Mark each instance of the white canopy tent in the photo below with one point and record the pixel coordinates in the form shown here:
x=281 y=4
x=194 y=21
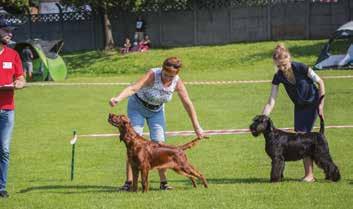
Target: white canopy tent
x=338 y=52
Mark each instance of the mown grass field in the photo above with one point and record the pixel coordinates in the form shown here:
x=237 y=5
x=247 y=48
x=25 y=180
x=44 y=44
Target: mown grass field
x=236 y=166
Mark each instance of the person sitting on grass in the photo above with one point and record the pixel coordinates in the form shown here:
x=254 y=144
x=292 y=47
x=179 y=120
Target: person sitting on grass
x=127 y=46
x=145 y=44
x=135 y=46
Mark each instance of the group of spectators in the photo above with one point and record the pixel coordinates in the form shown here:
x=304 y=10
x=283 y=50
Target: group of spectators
x=137 y=46
x=141 y=43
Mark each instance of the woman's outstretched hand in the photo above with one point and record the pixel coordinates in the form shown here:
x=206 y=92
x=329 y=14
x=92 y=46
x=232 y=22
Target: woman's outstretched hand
x=200 y=134
x=113 y=102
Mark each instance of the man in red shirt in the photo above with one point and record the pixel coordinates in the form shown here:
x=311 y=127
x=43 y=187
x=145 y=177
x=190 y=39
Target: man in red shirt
x=11 y=78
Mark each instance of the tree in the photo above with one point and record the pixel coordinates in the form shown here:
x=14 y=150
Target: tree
x=15 y=6
x=103 y=7
x=14 y=3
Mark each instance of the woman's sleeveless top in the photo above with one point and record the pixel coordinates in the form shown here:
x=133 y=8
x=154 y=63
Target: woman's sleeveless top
x=157 y=94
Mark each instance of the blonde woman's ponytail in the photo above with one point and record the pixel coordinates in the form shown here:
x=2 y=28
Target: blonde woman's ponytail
x=280 y=52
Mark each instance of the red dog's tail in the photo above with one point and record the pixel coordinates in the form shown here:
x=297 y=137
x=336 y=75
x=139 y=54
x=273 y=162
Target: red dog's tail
x=189 y=144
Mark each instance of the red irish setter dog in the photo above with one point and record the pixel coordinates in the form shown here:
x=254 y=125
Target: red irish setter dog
x=145 y=155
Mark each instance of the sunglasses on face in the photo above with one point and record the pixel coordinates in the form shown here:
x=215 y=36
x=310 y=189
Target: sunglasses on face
x=176 y=66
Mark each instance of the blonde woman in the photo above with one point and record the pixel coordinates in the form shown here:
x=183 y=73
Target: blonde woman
x=146 y=102
x=300 y=83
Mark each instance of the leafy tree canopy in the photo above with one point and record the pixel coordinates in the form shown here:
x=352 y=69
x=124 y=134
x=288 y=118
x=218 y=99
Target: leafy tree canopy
x=14 y=6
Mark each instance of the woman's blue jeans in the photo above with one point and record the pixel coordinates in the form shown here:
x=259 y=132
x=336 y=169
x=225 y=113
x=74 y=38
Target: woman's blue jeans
x=6 y=126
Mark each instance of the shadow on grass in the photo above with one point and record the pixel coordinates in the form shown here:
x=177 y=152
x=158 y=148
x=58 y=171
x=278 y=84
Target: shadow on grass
x=86 y=58
x=296 y=51
x=77 y=188
x=235 y=180
x=74 y=189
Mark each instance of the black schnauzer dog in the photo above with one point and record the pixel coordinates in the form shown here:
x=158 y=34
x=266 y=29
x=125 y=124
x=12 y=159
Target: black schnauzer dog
x=283 y=146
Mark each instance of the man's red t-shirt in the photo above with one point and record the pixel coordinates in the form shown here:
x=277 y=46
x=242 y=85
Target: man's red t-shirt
x=10 y=69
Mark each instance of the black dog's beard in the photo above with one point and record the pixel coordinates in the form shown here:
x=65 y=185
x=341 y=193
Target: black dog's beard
x=255 y=134
x=255 y=131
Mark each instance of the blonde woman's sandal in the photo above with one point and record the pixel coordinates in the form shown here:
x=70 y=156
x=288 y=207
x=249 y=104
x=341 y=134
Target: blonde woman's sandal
x=308 y=180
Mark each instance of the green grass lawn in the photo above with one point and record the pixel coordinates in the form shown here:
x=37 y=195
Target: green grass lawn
x=236 y=166
x=228 y=62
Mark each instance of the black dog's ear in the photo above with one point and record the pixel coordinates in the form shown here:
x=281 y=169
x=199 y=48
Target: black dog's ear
x=257 y=117
x=270 y=125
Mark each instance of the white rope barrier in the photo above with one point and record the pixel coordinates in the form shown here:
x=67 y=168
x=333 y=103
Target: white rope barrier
x=206 y=132
x=187 y=82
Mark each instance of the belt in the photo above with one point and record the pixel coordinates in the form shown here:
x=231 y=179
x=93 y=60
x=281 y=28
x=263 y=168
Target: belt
x=147 y=105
